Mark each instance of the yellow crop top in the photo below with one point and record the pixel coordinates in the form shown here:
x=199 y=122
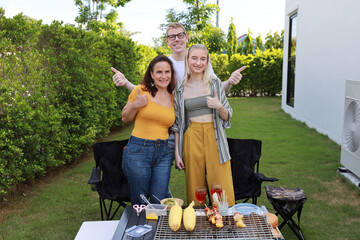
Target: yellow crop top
x=152 y=121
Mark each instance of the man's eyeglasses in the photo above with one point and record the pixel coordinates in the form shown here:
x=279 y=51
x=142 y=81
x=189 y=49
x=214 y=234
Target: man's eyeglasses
x=172 y=37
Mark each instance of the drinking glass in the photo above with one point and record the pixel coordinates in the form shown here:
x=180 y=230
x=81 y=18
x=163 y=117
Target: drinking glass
x=216 y=187
x=200 y=193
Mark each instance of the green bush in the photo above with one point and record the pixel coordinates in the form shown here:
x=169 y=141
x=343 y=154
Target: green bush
x=147 y=54
x=56 y=93
x=263 y=74
x=220 y=64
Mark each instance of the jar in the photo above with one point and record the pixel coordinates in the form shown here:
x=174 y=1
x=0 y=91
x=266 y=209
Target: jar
x=215 y=206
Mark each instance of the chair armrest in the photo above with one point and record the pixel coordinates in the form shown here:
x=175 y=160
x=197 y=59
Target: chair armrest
x=261 y=178
x=95 y=178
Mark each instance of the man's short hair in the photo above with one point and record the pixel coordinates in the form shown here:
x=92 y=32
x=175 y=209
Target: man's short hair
x=174 y=25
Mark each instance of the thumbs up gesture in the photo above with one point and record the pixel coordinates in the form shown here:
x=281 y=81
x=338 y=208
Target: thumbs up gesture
x=236 y=76
x=213 y=102
x=119 y=78
x=141 y=100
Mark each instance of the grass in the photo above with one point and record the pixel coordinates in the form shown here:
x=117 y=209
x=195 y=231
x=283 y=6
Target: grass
x=54 y=207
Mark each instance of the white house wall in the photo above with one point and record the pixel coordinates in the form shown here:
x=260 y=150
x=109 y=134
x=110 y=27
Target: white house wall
x=327 y=54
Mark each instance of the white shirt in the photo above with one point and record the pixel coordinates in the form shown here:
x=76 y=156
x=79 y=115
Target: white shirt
x=179 y=67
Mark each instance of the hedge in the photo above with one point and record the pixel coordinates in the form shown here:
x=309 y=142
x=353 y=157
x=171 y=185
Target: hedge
x=263 y=75
x=56 y=93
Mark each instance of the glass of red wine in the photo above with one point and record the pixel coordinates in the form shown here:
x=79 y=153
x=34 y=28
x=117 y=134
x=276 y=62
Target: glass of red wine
x=216 y=187
x=200 y=193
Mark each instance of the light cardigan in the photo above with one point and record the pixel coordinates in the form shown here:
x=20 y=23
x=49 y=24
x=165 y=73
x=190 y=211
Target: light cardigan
x=182 y=120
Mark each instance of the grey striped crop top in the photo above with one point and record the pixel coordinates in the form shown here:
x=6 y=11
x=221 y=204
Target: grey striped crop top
x=197 y=106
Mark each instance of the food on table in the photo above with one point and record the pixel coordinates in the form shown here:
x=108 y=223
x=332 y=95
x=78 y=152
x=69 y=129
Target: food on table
x=214 y=217
x=189 y=217
x=237 y=216
x=218 y=220
x=219 y=224
x=209 y=212
x=171 y=202
x=240 y=223
x=175 y=216
x=276 y=233
x=272 y=219
x=152 y=216
x=239 y=219
x=215 y=206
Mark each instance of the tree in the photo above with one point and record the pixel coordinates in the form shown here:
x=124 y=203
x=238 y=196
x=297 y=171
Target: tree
x=197 y=16
x=278 y=39
x=274 y=41
x=232 y=43
x=269 y=43
x=248 y=44
x=259 y=43
x=94 y=10
x=212 y=37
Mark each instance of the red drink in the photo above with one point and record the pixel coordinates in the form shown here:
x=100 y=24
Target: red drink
x=200 y=193
x=200 y=196
x=217 y=190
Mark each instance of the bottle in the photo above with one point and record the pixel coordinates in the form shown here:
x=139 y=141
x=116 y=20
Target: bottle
x=215 y=206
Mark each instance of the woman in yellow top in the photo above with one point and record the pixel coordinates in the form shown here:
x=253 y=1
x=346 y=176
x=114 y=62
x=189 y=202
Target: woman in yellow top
x=147 y=159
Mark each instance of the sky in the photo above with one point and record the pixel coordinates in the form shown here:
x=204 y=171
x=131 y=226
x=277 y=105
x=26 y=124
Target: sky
x=145 y=16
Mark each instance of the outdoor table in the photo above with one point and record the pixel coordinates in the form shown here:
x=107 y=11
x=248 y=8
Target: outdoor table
x=129 y=218
x=94 y=230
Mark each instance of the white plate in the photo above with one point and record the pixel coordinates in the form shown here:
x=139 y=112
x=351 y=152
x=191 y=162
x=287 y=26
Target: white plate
x=245 y=209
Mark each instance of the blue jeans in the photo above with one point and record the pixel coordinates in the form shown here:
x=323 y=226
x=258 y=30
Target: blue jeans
x=172 y=145
x=147 y=165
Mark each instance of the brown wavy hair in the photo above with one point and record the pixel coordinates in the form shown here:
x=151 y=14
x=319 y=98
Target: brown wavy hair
x=147 y=79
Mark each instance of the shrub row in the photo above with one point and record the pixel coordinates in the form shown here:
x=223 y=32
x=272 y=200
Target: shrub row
x=263 y=74
x=56 y=93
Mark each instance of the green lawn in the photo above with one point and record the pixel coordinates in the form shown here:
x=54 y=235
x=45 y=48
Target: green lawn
x=54 y=207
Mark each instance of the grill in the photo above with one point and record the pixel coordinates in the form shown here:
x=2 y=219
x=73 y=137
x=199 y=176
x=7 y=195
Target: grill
x=256 y=228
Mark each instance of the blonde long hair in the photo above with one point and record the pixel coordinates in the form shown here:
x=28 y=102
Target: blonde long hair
x=207 y=77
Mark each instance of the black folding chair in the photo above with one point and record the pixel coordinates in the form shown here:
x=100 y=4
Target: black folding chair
x=287 y=202
x=245 y=160
x=112 y=185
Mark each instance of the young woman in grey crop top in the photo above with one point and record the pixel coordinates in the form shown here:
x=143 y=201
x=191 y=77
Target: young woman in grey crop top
x=201 y=114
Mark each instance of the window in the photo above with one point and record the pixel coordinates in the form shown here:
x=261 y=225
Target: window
x=291 y=61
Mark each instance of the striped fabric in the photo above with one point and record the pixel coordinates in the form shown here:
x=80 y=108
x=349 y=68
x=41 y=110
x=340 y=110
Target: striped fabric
x=182 y=119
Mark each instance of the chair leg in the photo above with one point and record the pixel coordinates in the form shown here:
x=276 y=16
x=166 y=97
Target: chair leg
x=101 y=209
x=109 y=211
x=289 y=221
x=104 y=210
x=116 y=210
x=103 y=204
x=254 y=200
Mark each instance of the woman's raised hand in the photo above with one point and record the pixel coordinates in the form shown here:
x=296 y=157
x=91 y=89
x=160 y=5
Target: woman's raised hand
x=141 y=100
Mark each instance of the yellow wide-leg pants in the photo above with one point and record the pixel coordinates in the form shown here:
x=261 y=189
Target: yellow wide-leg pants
x=201 y=159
